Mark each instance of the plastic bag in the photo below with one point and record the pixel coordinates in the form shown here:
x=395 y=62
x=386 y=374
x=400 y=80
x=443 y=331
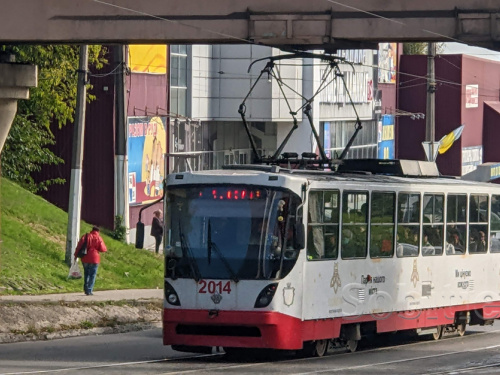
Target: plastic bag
x=74 y=271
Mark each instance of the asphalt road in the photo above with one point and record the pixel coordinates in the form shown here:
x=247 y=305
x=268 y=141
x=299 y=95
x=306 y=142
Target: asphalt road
x=478 y=352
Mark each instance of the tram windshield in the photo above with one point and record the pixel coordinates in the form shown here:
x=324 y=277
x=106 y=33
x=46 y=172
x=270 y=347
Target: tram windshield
x=230 y=232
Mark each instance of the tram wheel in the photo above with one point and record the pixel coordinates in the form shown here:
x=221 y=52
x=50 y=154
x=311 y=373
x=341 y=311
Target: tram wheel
x=437 y=335
x=314 y=348
x=352 y=345
x=461 y=328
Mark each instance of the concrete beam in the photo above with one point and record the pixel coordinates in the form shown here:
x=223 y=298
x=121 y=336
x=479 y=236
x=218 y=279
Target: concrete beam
x=15 y=81
x=306 y=24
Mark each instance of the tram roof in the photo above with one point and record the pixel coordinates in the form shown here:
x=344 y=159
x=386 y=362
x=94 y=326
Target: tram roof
x=362 y=173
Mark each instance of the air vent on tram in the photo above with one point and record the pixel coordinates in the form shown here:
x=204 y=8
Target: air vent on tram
x=403 y=168
x=217 y=330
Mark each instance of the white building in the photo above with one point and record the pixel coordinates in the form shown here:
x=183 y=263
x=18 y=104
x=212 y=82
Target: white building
x=209 y=83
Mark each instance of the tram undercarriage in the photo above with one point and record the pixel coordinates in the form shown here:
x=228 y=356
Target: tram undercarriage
x=196 y=332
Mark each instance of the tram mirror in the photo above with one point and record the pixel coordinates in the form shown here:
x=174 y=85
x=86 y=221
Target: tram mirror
x=300 y=238
x=171 y=264
x=139 y=236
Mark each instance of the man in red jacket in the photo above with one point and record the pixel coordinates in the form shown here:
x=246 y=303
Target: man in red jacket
x=95 y=245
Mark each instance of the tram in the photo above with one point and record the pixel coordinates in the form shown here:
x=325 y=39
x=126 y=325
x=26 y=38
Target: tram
x=261 y=256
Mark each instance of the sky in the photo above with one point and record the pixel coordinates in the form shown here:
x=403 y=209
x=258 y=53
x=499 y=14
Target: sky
x=453 y=48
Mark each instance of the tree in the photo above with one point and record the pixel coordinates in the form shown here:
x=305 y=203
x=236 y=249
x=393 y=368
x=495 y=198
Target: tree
x=420 y=48
x=27 y=147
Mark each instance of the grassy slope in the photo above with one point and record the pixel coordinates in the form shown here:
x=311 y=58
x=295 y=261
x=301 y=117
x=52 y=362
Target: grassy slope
x=33 y=234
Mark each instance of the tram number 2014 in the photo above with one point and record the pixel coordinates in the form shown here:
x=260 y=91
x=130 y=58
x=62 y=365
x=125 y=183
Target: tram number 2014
x=214 y=286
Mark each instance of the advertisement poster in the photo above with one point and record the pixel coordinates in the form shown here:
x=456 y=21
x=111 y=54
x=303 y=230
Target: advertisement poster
x=386 y=137
x=147 y=140
x=387 y=62
x=471 y=96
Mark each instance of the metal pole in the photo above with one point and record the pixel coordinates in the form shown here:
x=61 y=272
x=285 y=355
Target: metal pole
x=430 y=124
x=75 y=187
x=121 y=172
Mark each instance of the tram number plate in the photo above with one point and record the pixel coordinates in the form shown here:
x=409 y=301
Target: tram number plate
x=214 y=287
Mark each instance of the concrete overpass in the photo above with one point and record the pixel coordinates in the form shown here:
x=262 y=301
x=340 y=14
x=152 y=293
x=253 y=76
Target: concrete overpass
x=302 y=24
x=282 y=23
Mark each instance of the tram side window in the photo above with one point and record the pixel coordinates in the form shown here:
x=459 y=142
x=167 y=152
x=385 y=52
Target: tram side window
x=323 y=226
x=382 y=225
x=495 y=224
x=478 y=223
x=433 y=225
x=456 y=225
x=354 y=224
x=408 y=232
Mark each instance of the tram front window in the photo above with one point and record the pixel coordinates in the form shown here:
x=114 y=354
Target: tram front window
x=230 y=232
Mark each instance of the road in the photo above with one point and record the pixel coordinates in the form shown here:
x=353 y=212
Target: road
x=478 y=352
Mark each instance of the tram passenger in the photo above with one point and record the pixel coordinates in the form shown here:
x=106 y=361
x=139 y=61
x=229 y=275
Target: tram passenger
x=478 y=242
x=454 y=245
x=427 y=248
x=331 y=246
x=348 y=246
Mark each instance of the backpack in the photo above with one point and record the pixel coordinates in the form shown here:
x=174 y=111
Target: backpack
x=83 y=250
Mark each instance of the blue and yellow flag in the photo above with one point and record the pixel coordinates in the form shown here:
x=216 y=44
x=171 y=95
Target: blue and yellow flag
x=446 y=142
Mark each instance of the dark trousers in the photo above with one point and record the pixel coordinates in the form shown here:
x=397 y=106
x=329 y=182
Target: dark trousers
x=157 y=242
x=89 y=274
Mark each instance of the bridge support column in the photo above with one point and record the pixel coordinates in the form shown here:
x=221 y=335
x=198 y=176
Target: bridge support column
x=15 y=81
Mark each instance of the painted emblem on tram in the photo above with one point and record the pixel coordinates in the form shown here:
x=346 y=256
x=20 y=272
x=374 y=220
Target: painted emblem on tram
x=216 y=298
x=335 y=282
x=288 y=294
x=414 y=275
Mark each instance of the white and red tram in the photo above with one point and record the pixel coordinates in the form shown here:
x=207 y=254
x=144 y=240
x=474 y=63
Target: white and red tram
x=263 y=257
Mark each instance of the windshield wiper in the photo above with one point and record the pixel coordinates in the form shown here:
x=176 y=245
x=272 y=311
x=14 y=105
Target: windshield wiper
x=187 y=253
x=212 y=245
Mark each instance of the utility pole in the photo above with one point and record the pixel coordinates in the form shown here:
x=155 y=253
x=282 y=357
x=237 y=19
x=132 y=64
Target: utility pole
x=430 y=123
x=121 y=167
x=75 y=187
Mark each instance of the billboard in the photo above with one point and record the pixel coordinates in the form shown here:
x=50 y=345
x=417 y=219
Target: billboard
x=147 y=143
x=387 y=62
x=148 y=58
x=386 y=137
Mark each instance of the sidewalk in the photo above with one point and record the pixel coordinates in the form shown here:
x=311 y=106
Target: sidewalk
x=104 y=295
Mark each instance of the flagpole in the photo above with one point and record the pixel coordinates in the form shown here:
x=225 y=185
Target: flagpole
x=430 y=124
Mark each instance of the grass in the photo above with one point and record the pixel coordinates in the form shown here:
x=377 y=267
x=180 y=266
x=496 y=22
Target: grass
x=32 y=250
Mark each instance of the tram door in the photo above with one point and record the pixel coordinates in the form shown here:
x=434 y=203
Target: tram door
x=322 y=247
x=336 y=256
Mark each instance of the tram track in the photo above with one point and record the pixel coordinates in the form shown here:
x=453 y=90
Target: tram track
x=333 y=363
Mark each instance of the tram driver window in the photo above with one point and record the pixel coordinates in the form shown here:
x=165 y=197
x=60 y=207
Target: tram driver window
x=382 y=225
x=354 y=224
x=323 y=225
x=456 y=224
x=408 y=232
x=478 y=223
x=495 y=224
x=433 y=225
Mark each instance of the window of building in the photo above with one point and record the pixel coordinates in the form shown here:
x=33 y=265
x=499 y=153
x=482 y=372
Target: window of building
x=323 y=226
x=478 y=223
x=178 y=79
x=408 y=233
x=354 y=224
x=456 y=225
x=433 y=225
x=365 y=144
x=382 y=225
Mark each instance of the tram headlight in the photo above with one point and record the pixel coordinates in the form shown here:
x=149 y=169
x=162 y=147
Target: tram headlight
x=171 y=295
x=266 y=295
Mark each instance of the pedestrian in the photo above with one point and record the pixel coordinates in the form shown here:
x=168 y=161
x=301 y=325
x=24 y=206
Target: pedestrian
x=157 y=229
x=91 y=260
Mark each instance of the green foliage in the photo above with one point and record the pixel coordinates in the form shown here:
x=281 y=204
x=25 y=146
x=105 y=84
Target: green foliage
x=54 y=100
x=420 y=48
x=34 y=245
x=120 y=230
